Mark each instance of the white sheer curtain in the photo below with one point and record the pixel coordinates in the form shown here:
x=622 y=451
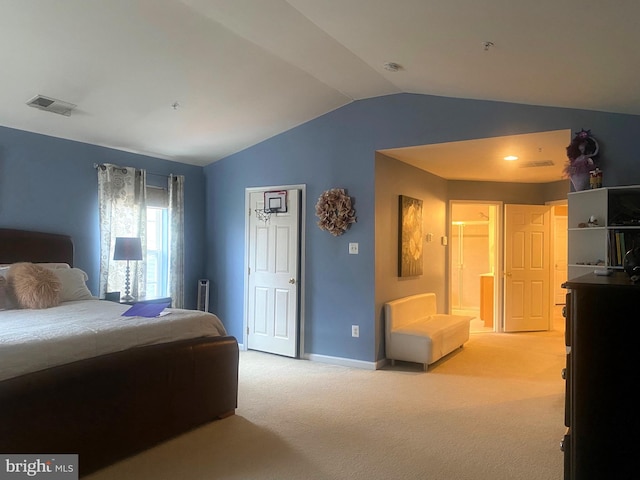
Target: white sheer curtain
x=176 y=240
x=122 y=203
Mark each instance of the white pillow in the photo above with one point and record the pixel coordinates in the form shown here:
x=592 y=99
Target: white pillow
x=54 y=266
x=4 y=268
x=74 y=285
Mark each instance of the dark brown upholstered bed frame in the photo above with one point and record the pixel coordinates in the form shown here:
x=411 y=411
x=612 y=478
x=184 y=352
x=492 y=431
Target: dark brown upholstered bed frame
x=113 y=406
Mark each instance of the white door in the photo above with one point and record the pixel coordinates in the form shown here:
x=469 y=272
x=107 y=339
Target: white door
x=560 y=258
x=273 y=257
x=527 y=268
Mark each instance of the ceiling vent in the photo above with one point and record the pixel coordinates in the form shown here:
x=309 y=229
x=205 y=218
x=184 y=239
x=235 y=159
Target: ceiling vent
x=538 y=163
x=51 y=105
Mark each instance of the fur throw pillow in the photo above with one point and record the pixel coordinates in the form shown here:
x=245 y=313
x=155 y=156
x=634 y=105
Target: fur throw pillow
x=33 y=286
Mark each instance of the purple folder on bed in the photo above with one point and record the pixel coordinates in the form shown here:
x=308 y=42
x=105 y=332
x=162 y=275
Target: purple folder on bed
x=146 y=309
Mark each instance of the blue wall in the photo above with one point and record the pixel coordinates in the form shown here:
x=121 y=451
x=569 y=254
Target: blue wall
x=338 y=150
x=49 y=184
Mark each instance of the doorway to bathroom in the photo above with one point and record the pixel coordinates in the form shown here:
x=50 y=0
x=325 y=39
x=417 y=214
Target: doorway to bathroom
x=474 y=246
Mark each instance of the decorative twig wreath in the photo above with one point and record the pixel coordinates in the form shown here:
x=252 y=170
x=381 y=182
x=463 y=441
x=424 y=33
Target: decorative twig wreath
x=335 y=211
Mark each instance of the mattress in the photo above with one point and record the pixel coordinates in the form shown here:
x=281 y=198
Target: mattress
x=32 y=340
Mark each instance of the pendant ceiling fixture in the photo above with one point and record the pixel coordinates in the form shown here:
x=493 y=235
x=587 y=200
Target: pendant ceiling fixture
x=488 y=45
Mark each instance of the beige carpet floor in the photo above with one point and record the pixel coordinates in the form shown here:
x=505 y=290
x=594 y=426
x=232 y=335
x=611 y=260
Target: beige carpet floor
x=492 y=410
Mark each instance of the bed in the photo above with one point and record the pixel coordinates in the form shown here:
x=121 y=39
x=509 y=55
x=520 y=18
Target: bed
x=111 y=403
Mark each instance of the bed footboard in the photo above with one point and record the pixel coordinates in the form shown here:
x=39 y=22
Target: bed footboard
x=110 y=407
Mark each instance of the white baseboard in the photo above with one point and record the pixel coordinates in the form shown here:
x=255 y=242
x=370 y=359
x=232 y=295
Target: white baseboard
x=344 y=362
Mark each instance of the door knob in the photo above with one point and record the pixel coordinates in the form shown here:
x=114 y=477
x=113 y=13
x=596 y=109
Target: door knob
x=508 y=274
x=292 y=281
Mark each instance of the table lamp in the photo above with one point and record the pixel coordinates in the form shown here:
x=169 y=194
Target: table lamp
x=127 y=248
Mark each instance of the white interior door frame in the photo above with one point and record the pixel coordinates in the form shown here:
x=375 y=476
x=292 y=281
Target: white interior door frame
x=302 y=263
x=498 y=295
x=554 y=246
x=499 y=277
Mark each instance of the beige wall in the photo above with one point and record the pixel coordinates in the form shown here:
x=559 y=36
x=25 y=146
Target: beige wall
x=394 y=178
x=515 y=193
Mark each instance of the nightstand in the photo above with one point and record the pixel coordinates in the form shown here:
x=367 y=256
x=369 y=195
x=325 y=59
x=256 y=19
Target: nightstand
x=147 y=300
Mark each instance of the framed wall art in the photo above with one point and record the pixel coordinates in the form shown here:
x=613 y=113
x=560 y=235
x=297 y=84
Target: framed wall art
x=410 y=237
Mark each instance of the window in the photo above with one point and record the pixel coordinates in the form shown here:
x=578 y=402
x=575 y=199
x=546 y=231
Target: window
x=157 y=277
x=157 y=251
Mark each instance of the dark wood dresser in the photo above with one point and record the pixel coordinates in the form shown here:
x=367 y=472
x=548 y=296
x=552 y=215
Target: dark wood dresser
x=602 y=406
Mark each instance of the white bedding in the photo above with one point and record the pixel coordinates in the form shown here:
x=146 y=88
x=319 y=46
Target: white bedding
x=32 y=340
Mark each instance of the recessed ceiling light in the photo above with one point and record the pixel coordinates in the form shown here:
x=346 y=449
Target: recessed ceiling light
x=510 y=158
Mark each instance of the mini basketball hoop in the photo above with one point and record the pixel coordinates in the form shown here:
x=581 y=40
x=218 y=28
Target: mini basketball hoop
x=274 y=202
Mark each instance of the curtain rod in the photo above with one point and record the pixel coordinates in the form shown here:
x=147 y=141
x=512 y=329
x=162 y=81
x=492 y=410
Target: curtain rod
x=103 y=167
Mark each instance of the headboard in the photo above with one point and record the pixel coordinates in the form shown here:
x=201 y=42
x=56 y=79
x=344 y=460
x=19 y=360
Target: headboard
x=37 y=247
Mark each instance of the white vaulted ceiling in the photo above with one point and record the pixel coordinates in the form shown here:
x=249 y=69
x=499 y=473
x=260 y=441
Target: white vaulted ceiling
x=242 y=71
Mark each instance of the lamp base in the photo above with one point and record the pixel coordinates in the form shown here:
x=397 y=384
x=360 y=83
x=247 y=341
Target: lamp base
x=127 y=287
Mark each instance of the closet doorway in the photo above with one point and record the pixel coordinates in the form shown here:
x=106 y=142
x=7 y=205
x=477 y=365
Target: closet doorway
x=474 y=260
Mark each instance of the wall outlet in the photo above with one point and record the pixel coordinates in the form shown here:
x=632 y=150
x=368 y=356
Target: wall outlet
x=355 y=331
x=353 y=249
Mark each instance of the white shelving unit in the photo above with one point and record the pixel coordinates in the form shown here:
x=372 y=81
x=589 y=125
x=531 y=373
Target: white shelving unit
x=617 y=210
